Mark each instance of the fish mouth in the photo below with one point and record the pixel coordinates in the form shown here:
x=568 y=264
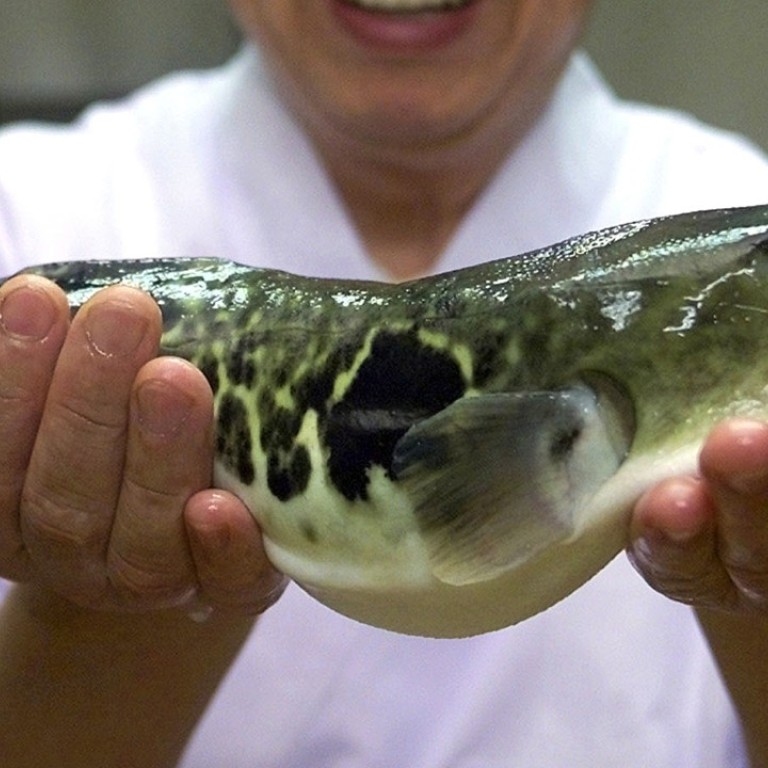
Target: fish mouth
x=408 y=6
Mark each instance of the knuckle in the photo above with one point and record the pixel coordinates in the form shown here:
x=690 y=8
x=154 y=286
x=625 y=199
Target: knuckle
x=14 y=397
x=68 y=526
x=746 y=562
x=702 y=583
x=150 y=492
x=91 y=417
x=752 y=584
x=748 y=557
x=146 y=582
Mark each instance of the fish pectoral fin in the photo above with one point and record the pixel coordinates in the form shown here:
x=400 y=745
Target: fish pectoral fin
x=496 y=478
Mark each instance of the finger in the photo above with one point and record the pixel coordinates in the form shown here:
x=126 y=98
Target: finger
x=735 y=463
x=169 y=457
x=77 y=461
x=232 y=568
x=34 y=318
x=674 y=544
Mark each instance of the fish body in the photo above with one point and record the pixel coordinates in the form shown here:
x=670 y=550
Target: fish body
x=451 y=455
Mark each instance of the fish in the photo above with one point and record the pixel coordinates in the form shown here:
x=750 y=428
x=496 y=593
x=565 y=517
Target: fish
x=452 y=455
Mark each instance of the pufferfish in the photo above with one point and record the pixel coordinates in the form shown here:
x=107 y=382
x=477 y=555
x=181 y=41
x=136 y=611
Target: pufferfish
x=452 y=455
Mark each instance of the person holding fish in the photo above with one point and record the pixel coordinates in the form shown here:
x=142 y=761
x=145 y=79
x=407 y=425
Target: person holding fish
x=350 y=139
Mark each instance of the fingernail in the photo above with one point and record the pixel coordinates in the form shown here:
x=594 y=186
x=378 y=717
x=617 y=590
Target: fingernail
x=28 y=314
x=162 y=409
x=114 y=330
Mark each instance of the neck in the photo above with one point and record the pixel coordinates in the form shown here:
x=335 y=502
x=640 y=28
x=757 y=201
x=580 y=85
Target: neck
x=405 y=214
x=408 y=203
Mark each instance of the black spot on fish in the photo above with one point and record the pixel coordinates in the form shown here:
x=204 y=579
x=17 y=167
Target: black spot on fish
x=209 y=366
x=241 y=368
x=233 y=438
x=402 y=381
x=488 y=359
x=289 y=476
x=265 y=404
x=288 y=463
x=173 y=312
x=279 y=426
x=280 y=377
x=309 y=532
x=314 y=390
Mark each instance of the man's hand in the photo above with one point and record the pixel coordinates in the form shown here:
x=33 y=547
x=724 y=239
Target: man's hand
x=105 y=462
x=704 y=540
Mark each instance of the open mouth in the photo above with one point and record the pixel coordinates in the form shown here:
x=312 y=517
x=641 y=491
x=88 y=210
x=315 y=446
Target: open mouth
x=408 y=6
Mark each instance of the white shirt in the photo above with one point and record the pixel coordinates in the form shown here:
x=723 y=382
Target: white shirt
x=210 y=164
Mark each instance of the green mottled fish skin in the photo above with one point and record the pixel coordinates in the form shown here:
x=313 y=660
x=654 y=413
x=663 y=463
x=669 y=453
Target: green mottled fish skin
x=316 y=380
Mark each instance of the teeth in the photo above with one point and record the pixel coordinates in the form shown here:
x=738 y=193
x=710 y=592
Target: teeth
x=408 y=5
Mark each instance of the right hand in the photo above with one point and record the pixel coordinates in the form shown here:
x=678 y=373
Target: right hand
x=106 y=454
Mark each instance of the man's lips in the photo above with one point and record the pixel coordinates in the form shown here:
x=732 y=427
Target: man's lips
x=408 y=6
x=404 y=26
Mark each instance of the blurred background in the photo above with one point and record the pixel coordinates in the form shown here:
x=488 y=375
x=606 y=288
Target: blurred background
x=704 y=56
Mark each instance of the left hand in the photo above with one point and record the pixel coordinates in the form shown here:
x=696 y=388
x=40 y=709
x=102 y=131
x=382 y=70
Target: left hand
x=105 y=463
x=704 y=540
